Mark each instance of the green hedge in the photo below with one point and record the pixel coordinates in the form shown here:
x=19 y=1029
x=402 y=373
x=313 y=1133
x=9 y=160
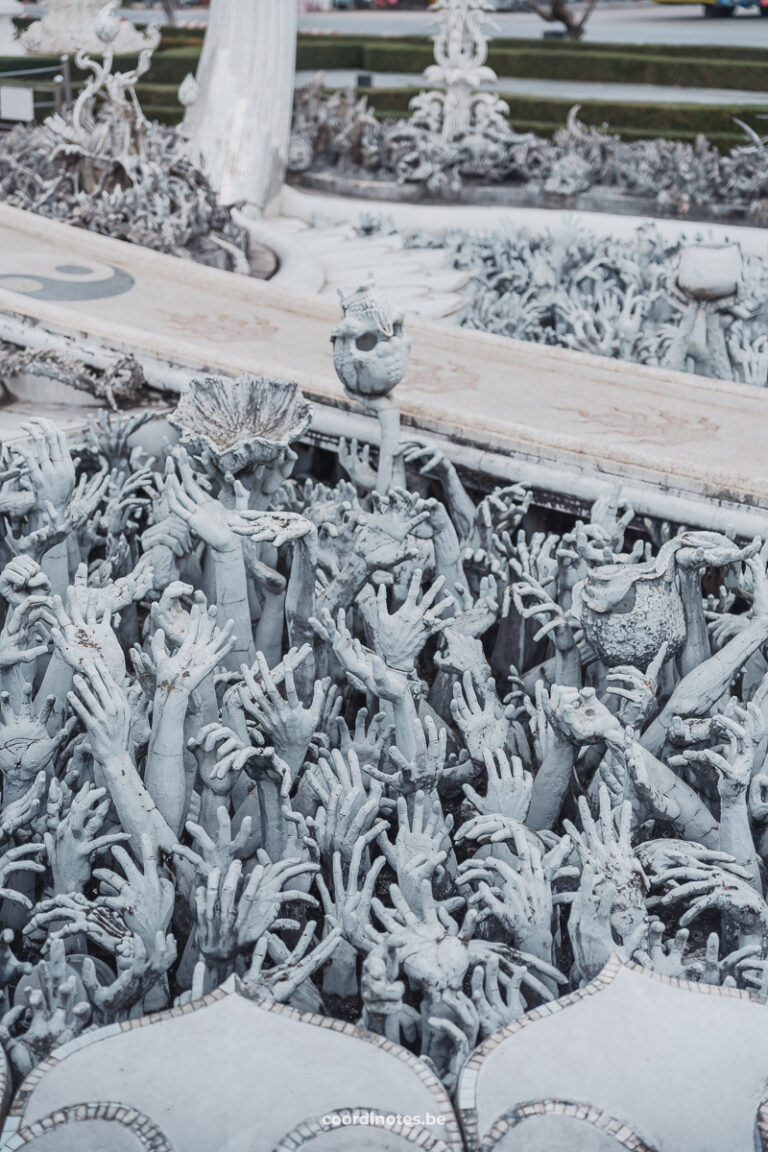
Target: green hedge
x=685 y=67
x=659 y=64
x=616 y=68
x=670 y=51
x=163 y=113
x=724 y=141
x=169 y=42
x=631 y=121
x=179 y=33
x=628 y=68
x=559 y=47
x=671 y=65
x=158 y=96
x=319 y=54
x=19 y=63
x=172 y=66
x=168 y=67
x=650 y=119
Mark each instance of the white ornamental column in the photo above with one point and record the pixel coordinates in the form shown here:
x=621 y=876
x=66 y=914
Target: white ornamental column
x=9 y=45
x=241 y=122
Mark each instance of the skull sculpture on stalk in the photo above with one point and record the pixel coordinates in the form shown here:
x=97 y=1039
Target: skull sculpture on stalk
x=370 y=355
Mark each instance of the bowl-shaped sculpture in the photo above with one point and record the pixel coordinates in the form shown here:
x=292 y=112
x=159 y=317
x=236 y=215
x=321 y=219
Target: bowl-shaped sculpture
x=629 y=610
x=710 y=271
x=241 y=423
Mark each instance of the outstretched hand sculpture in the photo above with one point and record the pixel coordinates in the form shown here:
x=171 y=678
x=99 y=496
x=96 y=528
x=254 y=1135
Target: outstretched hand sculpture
x=384 y=753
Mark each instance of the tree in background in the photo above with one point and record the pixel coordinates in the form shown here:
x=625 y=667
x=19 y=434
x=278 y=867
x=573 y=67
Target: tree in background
x=563 y=12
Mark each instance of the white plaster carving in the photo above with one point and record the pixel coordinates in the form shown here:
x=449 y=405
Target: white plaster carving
x=241 y=122
x=9 y=44
x=69 y=26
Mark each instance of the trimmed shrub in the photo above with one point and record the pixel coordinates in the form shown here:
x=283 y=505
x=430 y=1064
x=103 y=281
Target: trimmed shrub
x=163 y=113
x=326 y=55
x=633 y=121
x=157 y=96
x=736 y=53
x=672 y=65
x=168 y=42
x=172 y=66
x=21 y=63
x=617 y=67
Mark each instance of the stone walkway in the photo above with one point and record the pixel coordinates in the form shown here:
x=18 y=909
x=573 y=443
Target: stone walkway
x=686 y=448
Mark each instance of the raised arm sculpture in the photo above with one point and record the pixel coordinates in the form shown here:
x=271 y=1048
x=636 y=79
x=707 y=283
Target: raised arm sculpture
x=369 y=742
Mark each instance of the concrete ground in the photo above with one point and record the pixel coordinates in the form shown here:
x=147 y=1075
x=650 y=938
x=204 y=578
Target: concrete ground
x=574 y=90
x=631 y=22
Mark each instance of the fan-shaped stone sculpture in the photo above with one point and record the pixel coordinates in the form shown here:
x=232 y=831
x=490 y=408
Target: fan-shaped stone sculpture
x=240 y=423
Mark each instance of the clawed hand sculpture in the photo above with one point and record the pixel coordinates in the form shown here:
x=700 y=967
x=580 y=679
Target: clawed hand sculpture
x=389 y=754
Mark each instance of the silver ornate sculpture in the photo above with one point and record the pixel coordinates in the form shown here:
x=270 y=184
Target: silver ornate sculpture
x=118 y=133
x=628 y=611
x=70 y=26
x=102 y=165
x=257 y=726
x=243 y=423
x=460 y=68
x=9 y=42
x=464 y=136
x=453 y=129
x=710 y=279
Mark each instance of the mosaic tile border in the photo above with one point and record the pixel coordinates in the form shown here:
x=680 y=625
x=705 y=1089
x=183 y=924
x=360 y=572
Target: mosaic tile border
x=147 y=1133
x=235 y=987
x=466 y=1093
x=306 y=1133
x=587 y=1113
